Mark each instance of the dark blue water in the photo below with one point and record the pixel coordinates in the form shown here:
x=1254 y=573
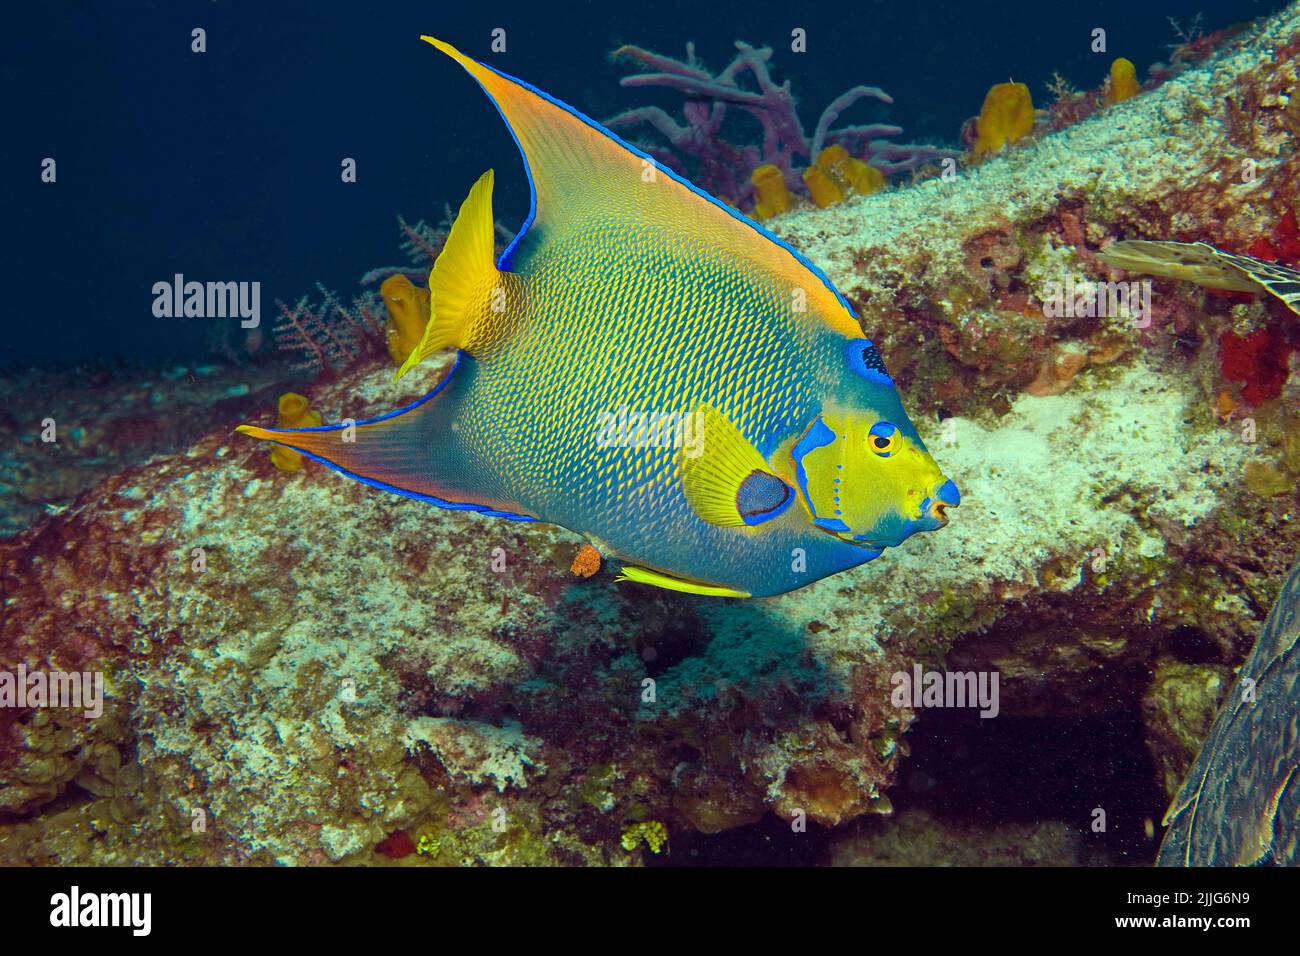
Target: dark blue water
x=225 y=165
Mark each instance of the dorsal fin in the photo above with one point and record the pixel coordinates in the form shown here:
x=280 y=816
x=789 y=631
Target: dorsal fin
x=582 y=173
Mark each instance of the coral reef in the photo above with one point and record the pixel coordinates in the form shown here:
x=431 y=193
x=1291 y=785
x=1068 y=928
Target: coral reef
x=724 y=168
x=977 y=293
x=71 y=428
x=301 y=669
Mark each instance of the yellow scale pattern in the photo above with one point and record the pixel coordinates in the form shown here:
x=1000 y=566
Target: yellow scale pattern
x=633 y=290
x=671 y=327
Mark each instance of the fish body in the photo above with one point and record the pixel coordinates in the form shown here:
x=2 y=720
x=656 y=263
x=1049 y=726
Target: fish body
x=652 y=370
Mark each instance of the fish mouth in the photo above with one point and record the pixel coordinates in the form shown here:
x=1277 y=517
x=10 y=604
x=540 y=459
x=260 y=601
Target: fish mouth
x=931 y=516
x=933 y=511
x=941 y=499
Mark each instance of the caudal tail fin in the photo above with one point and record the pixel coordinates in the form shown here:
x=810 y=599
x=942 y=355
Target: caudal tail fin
x=463 y=277
x=413 y=452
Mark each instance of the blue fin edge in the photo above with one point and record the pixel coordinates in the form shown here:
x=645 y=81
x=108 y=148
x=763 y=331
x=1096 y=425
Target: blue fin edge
x=762 y=517
x=384 y=486
x=504 y=262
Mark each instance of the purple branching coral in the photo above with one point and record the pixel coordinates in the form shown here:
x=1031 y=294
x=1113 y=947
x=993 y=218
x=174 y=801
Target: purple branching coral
x=422 y=244
x=724 y=168
x=329 y=336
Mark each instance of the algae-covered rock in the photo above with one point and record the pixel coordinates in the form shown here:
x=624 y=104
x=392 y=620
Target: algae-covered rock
x=299 y=666
x=1178 y=709
x=917 y=838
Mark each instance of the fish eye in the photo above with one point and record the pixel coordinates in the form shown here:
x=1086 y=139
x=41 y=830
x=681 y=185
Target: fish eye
x=883 y=439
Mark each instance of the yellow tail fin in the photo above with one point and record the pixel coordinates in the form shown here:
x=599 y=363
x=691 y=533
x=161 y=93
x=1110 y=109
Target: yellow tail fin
x=462 y=277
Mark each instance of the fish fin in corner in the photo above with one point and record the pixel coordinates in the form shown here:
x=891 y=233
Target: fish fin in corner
x=1205 y=265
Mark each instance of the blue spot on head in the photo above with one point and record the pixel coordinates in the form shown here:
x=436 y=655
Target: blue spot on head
x=865 y=360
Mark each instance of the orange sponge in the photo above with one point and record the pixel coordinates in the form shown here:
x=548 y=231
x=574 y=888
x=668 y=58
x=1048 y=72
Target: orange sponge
x=853 y=175
x=1007 y=116
x=771 y=196
x=292 y=411
x=1123 y=81
x=587 y=562
x=407 y=306
x=836 y=175
x=823 y=189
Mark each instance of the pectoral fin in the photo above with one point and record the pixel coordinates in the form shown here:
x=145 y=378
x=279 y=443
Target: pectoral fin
x=725 y=479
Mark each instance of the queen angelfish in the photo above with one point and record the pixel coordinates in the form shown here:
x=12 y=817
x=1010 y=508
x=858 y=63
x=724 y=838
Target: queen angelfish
x=651 y=369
